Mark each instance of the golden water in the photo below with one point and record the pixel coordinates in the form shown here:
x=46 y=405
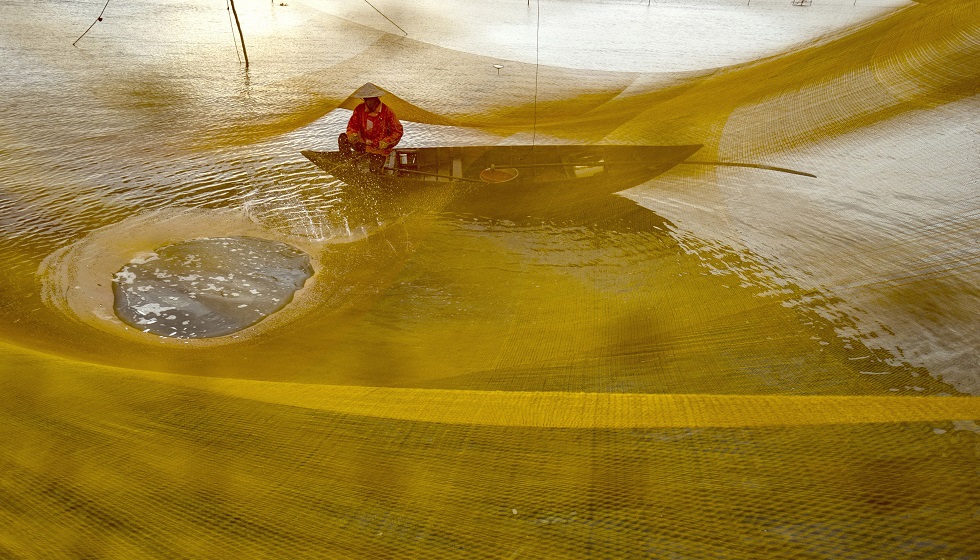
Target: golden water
x=712 y=372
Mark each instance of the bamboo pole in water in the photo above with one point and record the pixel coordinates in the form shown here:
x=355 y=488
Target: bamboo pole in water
x=242 y=37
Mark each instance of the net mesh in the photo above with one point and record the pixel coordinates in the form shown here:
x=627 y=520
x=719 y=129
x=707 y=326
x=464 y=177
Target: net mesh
x=122 y=466
x=610 y=384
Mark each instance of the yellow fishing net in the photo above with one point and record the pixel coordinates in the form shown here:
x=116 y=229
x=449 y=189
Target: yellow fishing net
x=614 y=384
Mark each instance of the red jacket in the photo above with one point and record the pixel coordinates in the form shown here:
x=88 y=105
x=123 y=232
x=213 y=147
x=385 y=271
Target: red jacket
x=381 y=127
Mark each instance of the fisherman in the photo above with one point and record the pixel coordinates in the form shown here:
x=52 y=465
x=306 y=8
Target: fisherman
x=373 y=129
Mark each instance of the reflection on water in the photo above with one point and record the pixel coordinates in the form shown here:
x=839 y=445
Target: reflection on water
x=457 y=379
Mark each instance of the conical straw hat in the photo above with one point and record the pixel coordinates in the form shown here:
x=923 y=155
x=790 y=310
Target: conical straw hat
x=368 y=90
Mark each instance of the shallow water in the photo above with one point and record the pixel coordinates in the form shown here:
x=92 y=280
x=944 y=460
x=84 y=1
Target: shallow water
x=208 y=287
x=450 y=381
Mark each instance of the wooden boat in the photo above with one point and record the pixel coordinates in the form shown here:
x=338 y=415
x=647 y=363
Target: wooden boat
x=508 y=181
